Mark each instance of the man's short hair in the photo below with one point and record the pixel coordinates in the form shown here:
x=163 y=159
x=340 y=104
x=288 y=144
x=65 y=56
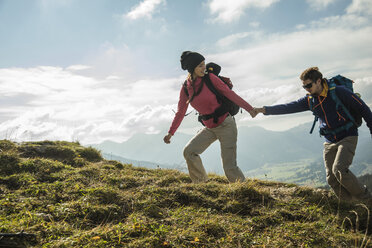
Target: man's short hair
x=311 y=73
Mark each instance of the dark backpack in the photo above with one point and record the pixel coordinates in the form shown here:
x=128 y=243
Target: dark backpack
x=355 y=118
x=226 y=104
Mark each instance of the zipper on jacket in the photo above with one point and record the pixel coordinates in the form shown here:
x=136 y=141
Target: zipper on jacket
x=325 y=116
x=340 y=116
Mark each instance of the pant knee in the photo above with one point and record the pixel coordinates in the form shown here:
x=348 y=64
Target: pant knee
x=340 y=173
x=332 y=180
x=187 y=152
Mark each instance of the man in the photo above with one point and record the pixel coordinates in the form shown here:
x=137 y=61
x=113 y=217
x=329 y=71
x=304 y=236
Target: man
x=341 y=134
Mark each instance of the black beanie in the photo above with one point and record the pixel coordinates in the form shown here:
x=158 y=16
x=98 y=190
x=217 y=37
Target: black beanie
x=190 y=60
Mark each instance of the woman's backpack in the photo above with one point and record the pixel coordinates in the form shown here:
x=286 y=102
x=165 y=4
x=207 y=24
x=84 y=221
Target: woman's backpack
x=226 y=104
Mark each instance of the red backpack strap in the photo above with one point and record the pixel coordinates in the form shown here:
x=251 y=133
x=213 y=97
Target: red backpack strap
x=184 y=86
x=227 y=81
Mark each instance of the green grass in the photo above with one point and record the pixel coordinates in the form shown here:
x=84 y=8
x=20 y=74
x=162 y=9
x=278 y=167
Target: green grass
x=302 y=172
x=100 y=203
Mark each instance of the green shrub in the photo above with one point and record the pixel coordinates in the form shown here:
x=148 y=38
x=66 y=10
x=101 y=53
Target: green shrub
x=6 y=145
x=40 y=165
x=91 y=154
x=103 y=195
x=90 y=215
x=168 y=180
x=63 y=154
x=16 y=181
x=78 y=162
x=9 y=163
x=42 y=168
x=213 y=229
x=54 y=143
x=115 y=163
x=42 y=143
x=91 y=173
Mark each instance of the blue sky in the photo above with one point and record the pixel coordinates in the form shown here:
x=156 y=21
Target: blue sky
x=65 y=32
x=97 y=70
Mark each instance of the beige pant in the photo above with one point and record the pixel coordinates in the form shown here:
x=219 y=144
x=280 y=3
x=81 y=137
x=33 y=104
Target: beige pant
x=226 y=133
x=337 y=160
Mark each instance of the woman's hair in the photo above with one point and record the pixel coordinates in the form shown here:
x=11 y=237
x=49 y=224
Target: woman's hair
x=311 y=73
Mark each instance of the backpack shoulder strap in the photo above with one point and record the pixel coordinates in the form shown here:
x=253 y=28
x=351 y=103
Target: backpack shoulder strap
x=227 y=81
x=332 y=93
x=211 y=87
x=310 y=100
x=184 y=86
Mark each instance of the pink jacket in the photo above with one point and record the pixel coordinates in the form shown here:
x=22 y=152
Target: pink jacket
x=205 y=102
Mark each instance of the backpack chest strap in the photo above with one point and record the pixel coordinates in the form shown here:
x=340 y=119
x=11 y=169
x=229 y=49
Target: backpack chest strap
x=335 y=131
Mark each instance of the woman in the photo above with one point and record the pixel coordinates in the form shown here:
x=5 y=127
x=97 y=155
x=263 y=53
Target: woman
x=205 y=102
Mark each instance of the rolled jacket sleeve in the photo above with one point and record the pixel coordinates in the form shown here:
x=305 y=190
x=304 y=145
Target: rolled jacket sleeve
x=181 y=111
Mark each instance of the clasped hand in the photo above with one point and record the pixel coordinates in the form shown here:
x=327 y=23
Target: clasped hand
x=256 y=111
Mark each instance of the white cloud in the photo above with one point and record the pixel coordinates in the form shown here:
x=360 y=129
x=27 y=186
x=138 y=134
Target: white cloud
x=339 y=22
x=43 y=80
x=229 y=11
x=300 y=26
x=254 y=24
x=144 y=10
x=78 y=67
x=320 y=4
x=64 y=105
x=363 y=86
x=230 y=40
x=360 y=7
x=336 y=45
x=118 y=61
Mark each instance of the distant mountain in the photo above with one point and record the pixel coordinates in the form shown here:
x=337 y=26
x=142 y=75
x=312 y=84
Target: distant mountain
x=256 y=146
x=148 y=147
x=146 y=164
x=260 y=152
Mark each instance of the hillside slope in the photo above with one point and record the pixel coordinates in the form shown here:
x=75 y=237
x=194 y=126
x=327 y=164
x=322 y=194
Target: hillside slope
x=276 y=152
x=68 y=196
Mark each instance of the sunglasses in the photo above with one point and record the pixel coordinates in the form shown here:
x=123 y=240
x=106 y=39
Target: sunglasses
x=308 y=86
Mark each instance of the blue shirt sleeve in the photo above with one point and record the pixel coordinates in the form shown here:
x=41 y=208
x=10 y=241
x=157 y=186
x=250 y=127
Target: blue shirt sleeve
x=293 y=107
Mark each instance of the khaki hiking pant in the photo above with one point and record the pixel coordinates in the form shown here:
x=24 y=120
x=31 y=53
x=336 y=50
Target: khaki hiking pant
x=226 y=133
x=337 y=160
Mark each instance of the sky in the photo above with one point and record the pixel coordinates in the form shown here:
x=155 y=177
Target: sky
x=93 y=70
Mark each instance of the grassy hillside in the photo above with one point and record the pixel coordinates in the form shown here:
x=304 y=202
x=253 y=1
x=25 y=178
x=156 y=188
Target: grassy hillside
x=68 y=196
